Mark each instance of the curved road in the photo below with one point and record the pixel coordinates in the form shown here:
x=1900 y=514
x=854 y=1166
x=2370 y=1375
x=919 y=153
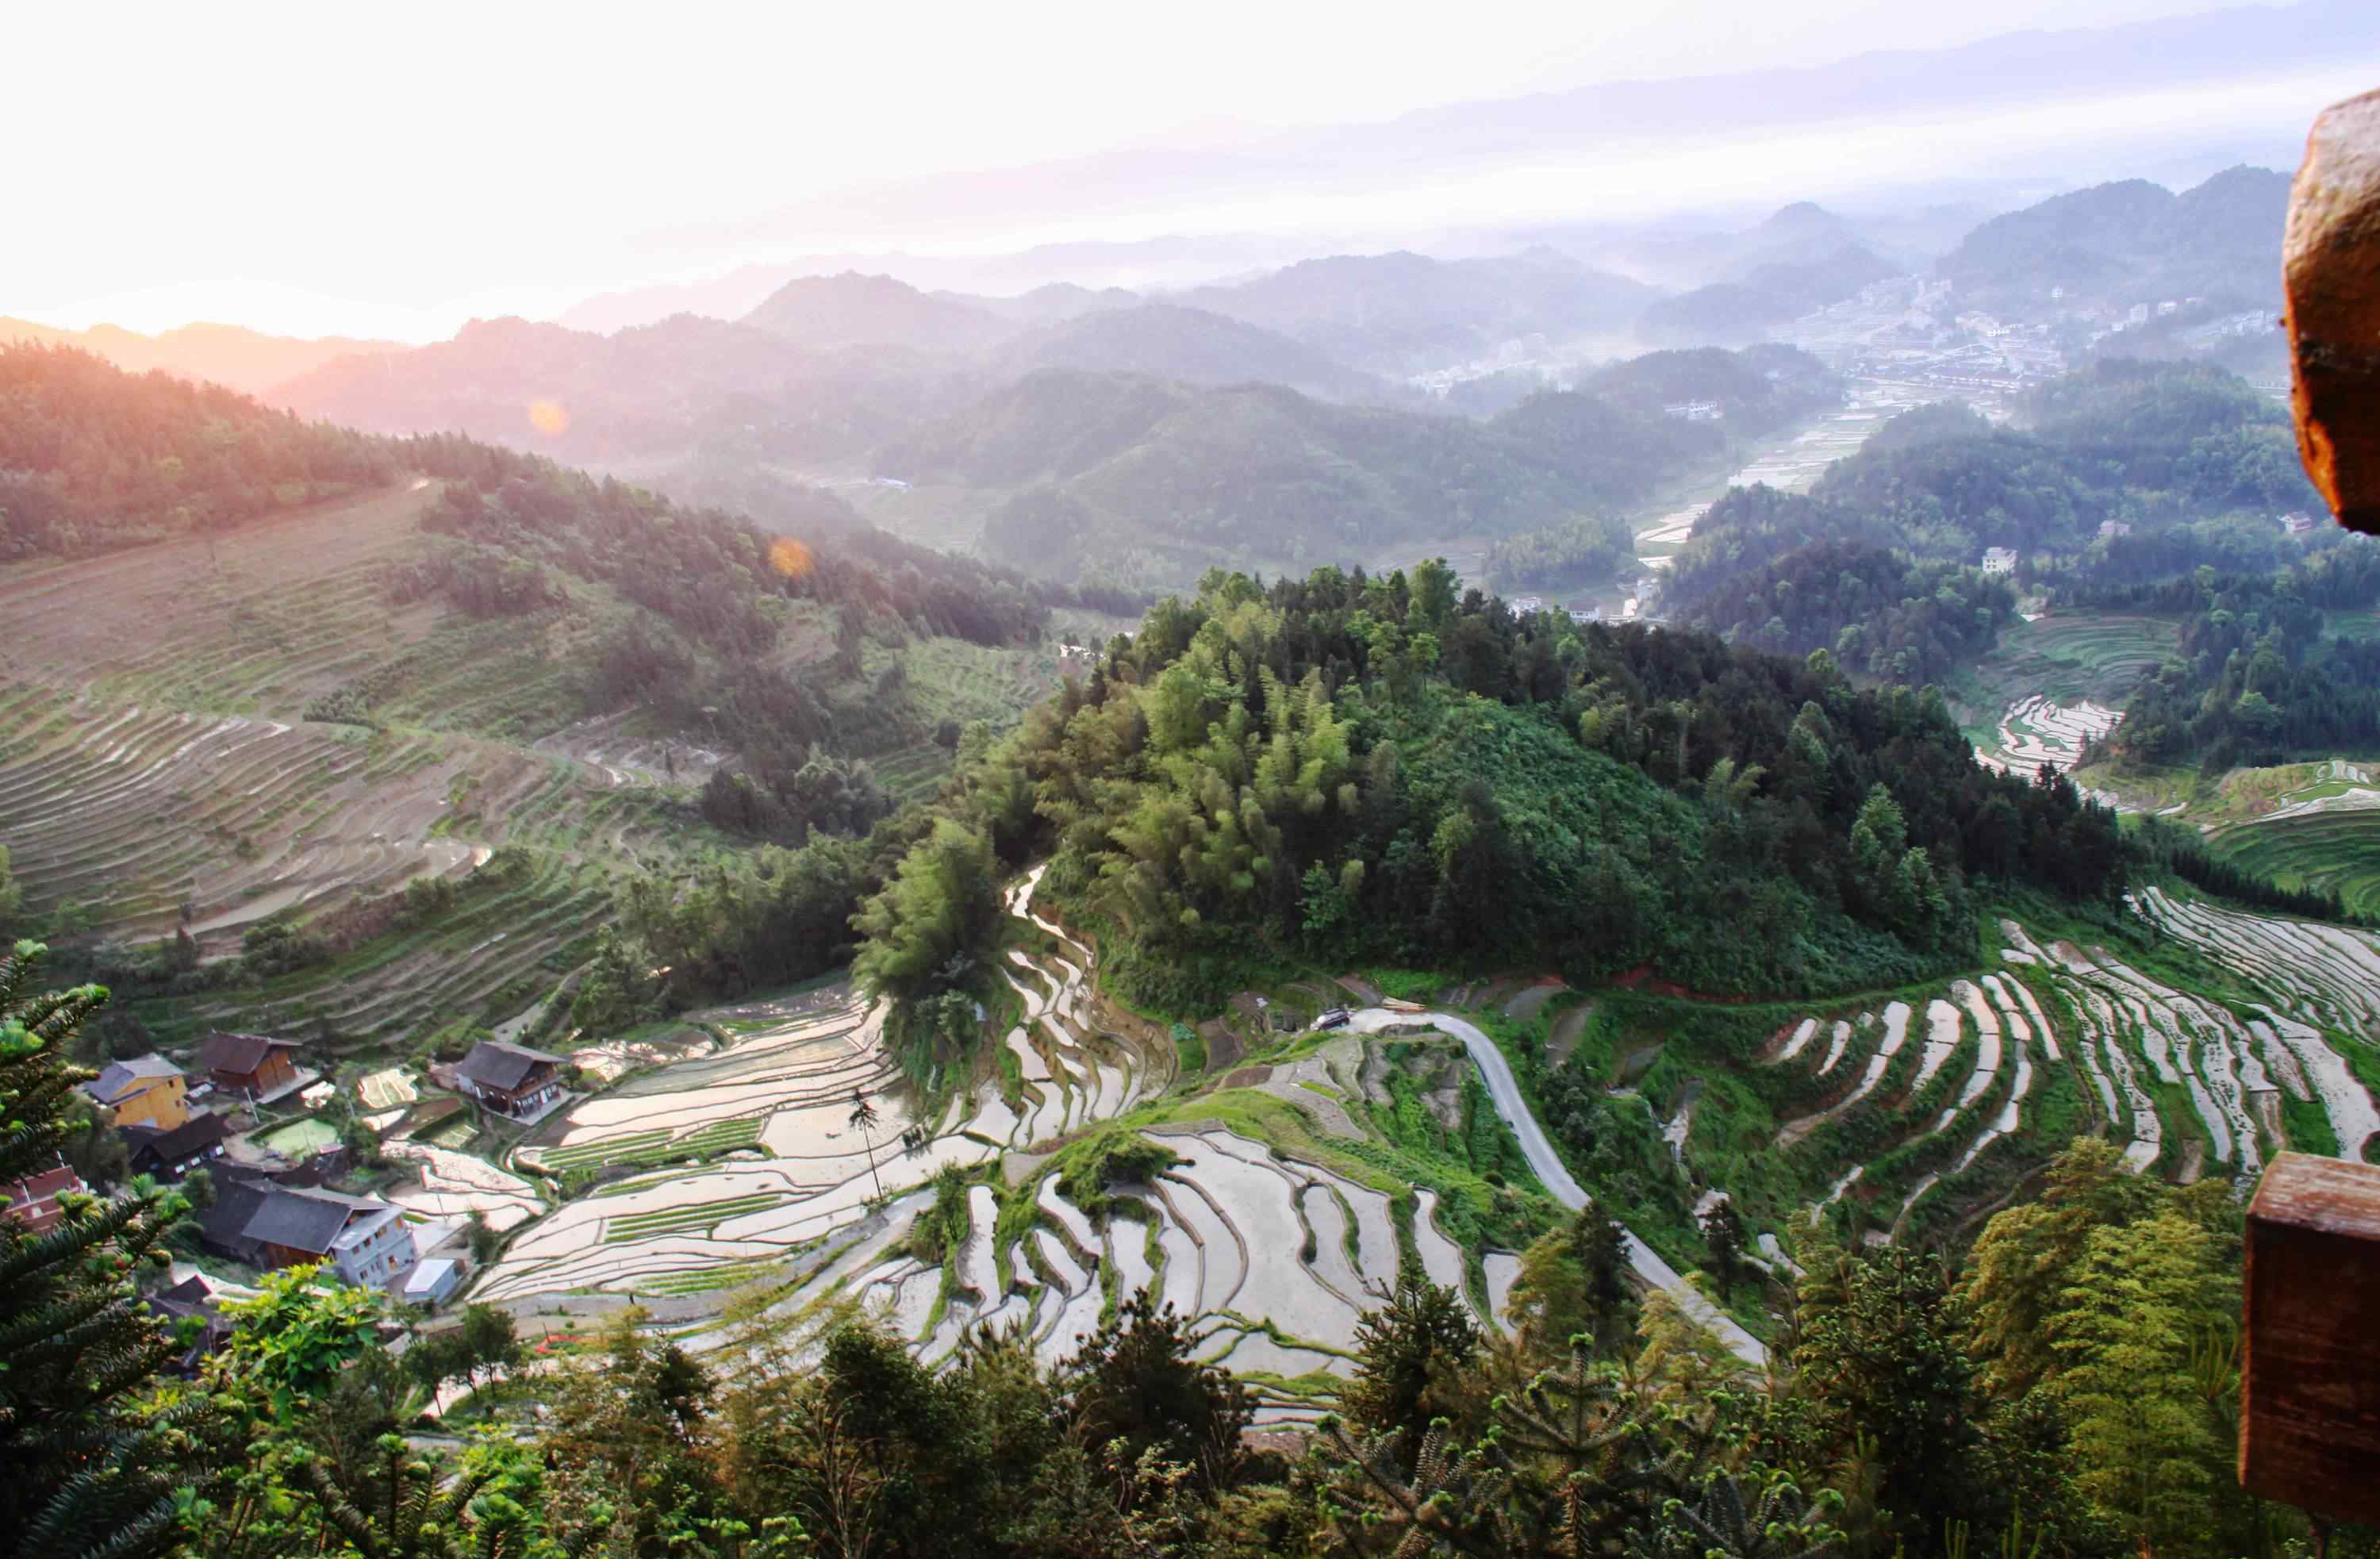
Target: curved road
x=1504 y=1089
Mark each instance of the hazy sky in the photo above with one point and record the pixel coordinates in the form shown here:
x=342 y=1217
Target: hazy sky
x=381 y=169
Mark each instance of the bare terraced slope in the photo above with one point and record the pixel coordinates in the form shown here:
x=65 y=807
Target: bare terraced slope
x=156 y=757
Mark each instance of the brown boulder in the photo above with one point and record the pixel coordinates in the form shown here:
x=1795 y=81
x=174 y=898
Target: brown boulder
x=2330 y=270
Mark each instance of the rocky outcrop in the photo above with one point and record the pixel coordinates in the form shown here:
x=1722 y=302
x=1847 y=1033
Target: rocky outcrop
x=2330 y=266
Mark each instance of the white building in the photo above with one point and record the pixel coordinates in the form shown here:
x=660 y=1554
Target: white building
x=1526 y=605
x=1999 y=560
x=2111 y=529
x=431 y=1284
x=2297 y=524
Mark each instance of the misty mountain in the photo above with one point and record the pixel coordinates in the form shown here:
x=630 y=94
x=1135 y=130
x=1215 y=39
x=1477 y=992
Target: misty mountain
x=993 y=281
x=1053 y=304
x=1772 y=294
x=855 y=310
x=2134 y=241
x=222 y=354
x=1187 y=346
x=1402 y=313
x=636 y=392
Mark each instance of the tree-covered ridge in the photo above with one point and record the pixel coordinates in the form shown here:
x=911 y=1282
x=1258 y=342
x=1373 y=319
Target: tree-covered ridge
x=1883 y=614
x=1133 y=478
x=2258 y=676
x=1586 y=550
x=2132 y=241
x=2185 y=460
x=93 y=459
x=1348 y=767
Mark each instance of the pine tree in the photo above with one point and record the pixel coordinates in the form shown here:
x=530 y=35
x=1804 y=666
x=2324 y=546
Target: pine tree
x=85 y=1469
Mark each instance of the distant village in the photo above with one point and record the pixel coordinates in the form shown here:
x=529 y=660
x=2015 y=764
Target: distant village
x=292 y=1163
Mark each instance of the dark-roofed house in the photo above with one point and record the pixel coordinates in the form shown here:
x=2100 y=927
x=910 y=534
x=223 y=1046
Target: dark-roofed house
x=366 y=1241
x=33 y=1201
x=191 y=1299
x=222 y=1228
x=169 y=1155
x=252 y=1066
x=145 y=1091
x=513 y=1079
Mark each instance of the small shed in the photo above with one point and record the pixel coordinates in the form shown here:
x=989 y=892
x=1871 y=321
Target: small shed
x=431 y=1284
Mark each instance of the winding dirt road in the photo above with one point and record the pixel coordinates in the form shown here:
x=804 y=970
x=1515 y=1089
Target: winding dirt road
x=1504 y=1090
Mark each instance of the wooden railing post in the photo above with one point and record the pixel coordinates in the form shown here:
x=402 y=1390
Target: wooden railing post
x=2310 y=1383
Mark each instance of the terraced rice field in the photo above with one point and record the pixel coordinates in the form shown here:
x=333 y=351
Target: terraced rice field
x=782 y=1089
x=2322 y=841
x=157 y=769
x=2064 y=659
x=2189 y=1085
x=1273 y=1258
x=2033 y=731
x=456 y=1184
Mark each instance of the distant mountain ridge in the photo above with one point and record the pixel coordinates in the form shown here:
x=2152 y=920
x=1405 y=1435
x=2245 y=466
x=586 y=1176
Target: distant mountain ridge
x=852 y=309
x=229 y=355
x=1401 y=313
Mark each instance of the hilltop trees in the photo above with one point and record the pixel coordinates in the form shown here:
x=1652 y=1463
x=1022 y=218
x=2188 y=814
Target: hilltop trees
x=1394 y=768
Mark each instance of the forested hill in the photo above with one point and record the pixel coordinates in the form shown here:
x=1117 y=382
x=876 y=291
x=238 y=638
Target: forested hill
x=1879 y=561
x=2133 y=242
x=1351 y=768
x=1124 y=478
x=92 y=457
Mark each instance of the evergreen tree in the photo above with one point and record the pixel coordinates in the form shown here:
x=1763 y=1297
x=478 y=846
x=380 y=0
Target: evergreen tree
x=86 y=1468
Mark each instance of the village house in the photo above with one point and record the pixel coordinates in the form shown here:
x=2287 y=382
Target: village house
x=1999 y=560
x=1585 y=613
x=366 y=1241
x=1526 y=605
x=2297 y=524
x=2111 y=529
x=512 y=1079
x=33 y=1200
x=145 y=1091
x=169 y=1155
x=251 y=1067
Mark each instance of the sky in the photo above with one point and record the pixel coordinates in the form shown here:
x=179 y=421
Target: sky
x=383 y=170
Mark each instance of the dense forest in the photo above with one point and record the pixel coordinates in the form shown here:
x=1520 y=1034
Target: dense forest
x=2070 y=1391
x=1588 y=549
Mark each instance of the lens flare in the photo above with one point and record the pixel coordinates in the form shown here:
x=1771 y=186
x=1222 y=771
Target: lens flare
x=546 y=417
x=790 y=558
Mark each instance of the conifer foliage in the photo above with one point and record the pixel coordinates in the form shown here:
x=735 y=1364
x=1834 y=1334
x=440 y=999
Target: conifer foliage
x=85 y=1469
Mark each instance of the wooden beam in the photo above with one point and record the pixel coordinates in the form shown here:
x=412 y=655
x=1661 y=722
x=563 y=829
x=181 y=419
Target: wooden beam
x=2309 y=1383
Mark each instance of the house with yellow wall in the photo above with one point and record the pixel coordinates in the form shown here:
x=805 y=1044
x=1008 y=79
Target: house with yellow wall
x=145 y=1091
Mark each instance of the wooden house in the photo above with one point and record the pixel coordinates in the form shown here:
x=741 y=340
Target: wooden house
x=512 y=1079
x=251 y=1067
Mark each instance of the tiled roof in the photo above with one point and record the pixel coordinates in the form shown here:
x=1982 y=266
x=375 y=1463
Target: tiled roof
x=493 y=1064
x=195 y=1136
x=239 y=1053
x=120 y=1077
